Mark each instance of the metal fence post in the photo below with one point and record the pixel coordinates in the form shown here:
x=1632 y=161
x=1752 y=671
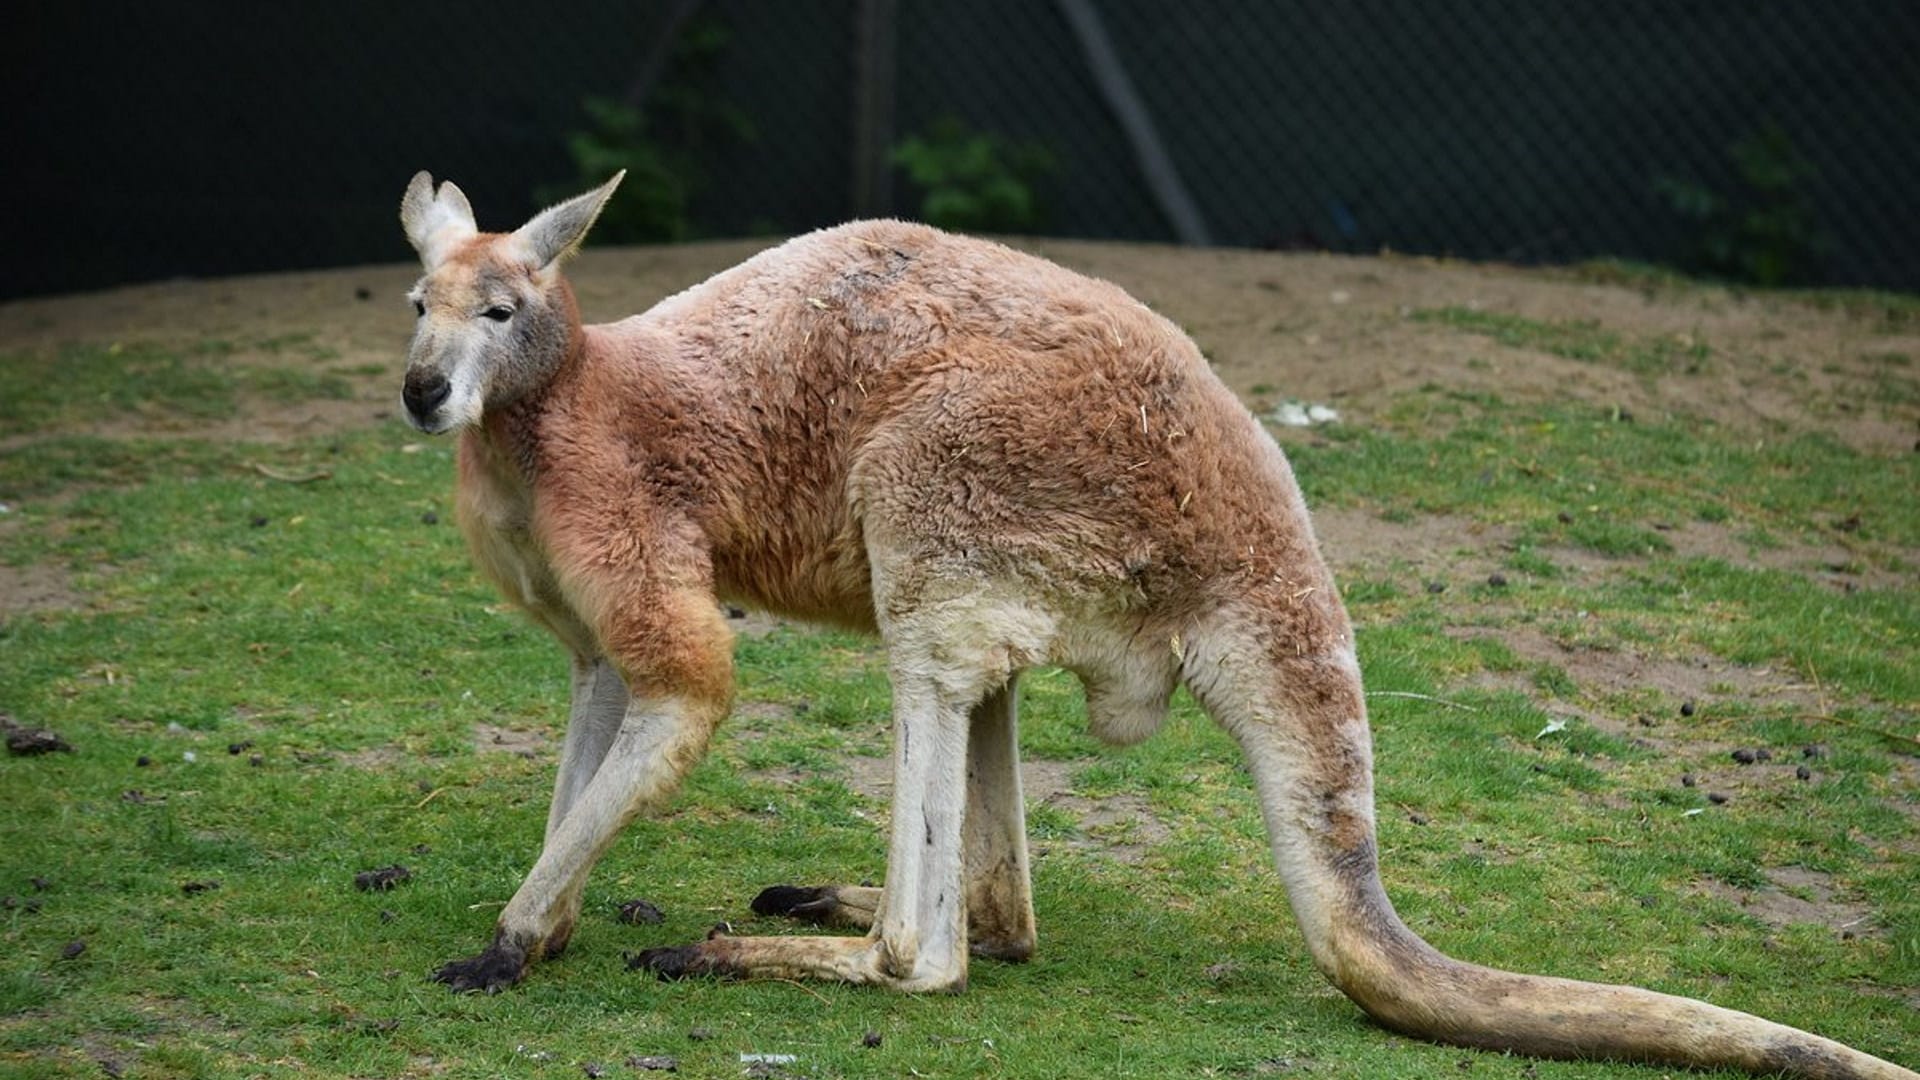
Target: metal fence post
x=876 y=36
x=1116 y=87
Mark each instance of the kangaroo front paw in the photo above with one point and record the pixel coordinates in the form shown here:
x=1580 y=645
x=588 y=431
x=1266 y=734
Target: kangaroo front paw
x=494 y=970
x=814 y=905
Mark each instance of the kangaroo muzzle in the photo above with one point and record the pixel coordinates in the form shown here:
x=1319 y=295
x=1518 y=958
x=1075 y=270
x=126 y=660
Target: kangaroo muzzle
x=423 y=393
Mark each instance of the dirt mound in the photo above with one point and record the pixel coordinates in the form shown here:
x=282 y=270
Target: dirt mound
x=1352 y=332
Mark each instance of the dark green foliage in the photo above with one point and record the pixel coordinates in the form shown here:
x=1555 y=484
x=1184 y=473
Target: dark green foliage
x=1762 y=230
x=975 y=181
x=659 y=142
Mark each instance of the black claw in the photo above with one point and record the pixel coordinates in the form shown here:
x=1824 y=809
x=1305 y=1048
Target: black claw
x=793 y=902
x=496 y=969
x=677 y=962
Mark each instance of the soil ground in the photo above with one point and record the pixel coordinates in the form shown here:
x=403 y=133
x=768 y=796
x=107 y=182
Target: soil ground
x=1318 y=328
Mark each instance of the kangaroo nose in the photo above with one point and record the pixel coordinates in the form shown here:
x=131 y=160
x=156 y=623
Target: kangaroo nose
x=424 y=392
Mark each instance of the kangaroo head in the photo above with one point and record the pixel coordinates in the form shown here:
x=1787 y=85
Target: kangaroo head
x=496 y=318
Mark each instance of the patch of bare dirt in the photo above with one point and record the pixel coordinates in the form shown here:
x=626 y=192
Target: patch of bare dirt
x=1436 y=546
x=1906 y=995
x=1447 y=549
x=1797 y=895
x=373 y=758
x=36 y=587
x=1620 y=671
x=1838 y=562
x=1122 y=826
x=1605 y=672
x=870 y=777
x=748 y=717
x=494 y=739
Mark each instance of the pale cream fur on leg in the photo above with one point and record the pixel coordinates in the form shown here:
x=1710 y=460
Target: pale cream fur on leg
x=1000 y=920
x=599 y=705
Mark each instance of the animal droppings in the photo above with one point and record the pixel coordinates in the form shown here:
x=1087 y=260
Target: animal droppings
x=382 y=879
x=636 y=912
x=31 y=742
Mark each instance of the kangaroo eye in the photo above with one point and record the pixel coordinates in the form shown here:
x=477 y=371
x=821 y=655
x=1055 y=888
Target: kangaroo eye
x=420 y=308
x=498 y=313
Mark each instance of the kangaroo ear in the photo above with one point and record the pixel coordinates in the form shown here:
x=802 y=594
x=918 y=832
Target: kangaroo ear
x=435 y=222
x=557 y=230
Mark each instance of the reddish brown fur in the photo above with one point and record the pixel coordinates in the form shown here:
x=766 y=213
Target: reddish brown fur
x=995 y=463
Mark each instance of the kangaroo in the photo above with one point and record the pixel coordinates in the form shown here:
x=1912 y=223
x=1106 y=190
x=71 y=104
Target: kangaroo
x=992 y=463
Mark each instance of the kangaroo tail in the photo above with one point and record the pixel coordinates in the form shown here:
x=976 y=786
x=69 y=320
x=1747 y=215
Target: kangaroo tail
x=1408 y=985
x=1301 y=721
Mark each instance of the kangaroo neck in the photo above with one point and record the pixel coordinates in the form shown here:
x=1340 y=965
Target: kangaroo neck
x=509 y=434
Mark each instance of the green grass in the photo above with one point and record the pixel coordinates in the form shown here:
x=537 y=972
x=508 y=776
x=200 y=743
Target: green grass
x=1582 y=477
x=1577 y=339
x=330 y=630
x=99 y=385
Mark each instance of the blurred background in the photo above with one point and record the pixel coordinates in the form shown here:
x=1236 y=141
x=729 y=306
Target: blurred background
x=1757 y=141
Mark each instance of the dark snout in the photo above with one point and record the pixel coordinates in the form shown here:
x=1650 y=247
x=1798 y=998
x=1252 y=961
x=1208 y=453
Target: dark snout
x=423 y=392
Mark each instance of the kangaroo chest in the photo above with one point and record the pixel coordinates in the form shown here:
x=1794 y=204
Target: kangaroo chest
x=496 y=513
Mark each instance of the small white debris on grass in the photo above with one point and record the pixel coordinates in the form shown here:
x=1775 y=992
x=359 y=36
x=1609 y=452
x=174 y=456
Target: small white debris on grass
x=189 y=757
x=1554 y=725
x=768 y=1059
x=1302 y=414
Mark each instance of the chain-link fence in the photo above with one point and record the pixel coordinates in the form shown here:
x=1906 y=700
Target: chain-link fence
x=1771 y=141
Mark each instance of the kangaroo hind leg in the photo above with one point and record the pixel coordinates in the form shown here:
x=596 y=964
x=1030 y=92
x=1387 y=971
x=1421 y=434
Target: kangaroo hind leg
x=954 y=640
x=1000 y=922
